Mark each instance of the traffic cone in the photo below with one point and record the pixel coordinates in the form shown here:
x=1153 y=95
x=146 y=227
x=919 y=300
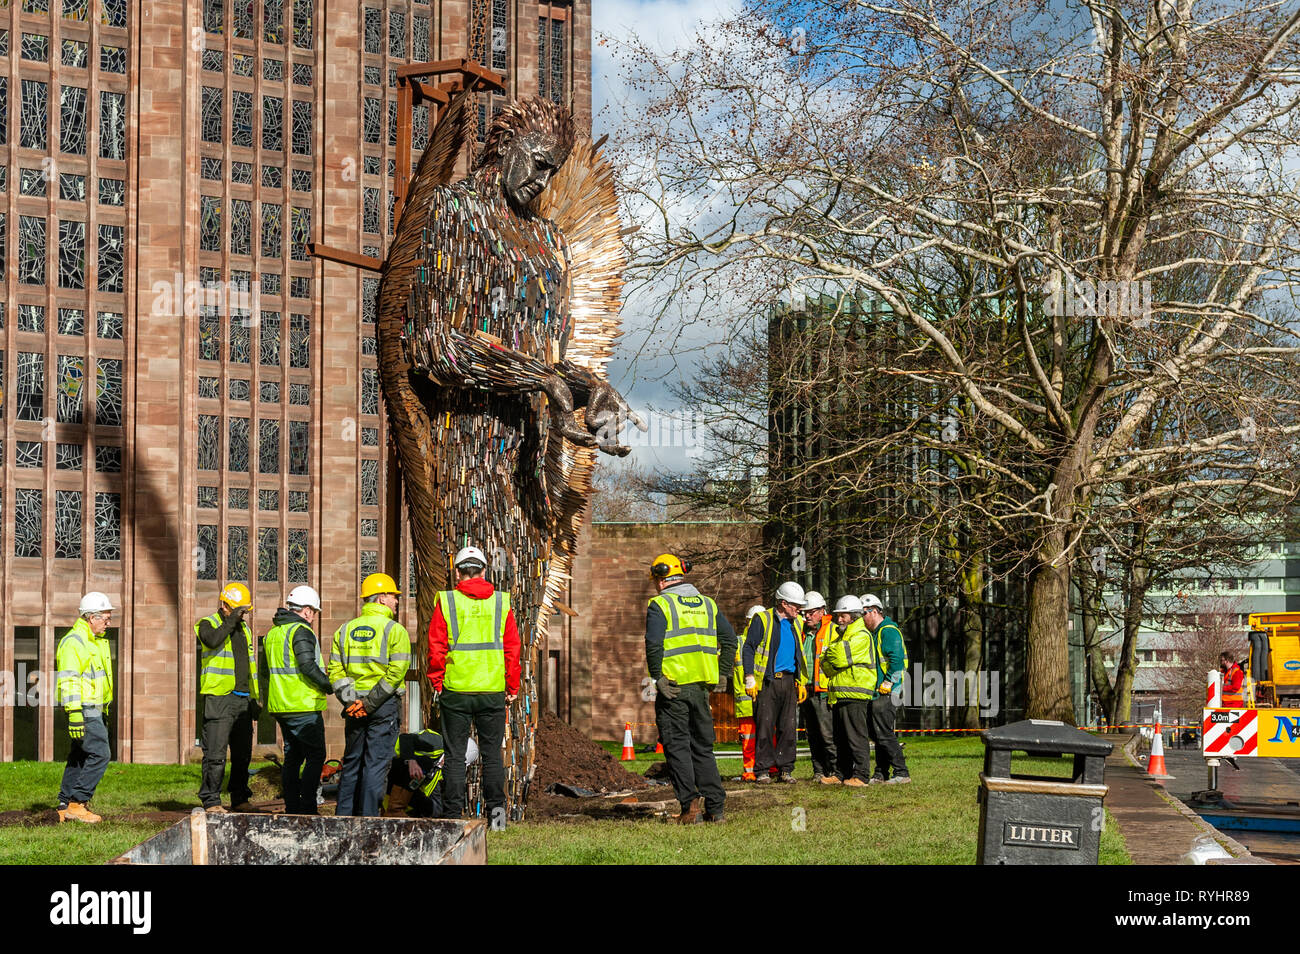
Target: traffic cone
x=628 y=754
x=1156 y=760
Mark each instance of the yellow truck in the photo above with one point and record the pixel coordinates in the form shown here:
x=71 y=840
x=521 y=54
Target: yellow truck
x=1268 y=723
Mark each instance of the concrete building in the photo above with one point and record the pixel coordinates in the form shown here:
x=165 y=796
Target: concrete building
x=165 y=164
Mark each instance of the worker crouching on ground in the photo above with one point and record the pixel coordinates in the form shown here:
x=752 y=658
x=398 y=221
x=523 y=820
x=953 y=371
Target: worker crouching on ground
x=775 y=677
x=849 y=661
x=415 y=775
x=891 y=668
x=474 y=668
x=85 y=686
x=294 y=686
x=368 y=662
x=228 y=685
x=744 y=708
x=690 y=650
x=816 y=707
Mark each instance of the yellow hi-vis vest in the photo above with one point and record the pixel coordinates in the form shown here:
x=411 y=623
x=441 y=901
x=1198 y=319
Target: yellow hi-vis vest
x=371 y=649
x=476 y=641
x=289 y=691
x=85 y=668
x=768 y=620
x=217 y=666
x=850 y=663
x=744 y=704
x=691 y=638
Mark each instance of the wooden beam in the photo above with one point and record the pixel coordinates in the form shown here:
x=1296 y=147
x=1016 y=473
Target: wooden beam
x=466 y=67
x=403 y=177
x=332 y=254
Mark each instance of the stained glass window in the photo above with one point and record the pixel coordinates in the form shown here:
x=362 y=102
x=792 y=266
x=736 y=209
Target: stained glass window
x=31 y=318
x=372 y=163
x=75 y=9
x=369 y=562
x=68 y=456
x=392 y=79
x=297 y=556
x=67 y=524
x=110 y=258
x=112 y=59
x=70 y=386
x=109 y=325
x=420 y=39
x=368 y=346
x=495 y=54
x=36 y=47
x=241 y=19
x=301 y=127
x=4 y=109
x=297 y=501
x=268 y=446
x=302 y=12
x=31 y=250
x=273 y=21
x=210 y=223
x=213 y=114
x=108 y=459
x=369 y=527
x=237 y=553
x=302 y=74
x=272 y=123
x=370 y=483
x=273 y=70
x=31 y=182
x=113 y=191
x=374 y=76
x=214 y=61
x=298 y=447
x=271 y=283
x=557 y=61
x=268 y=392
x=208 y=387
x=369 y=437
x=369 y=299
x=374 y=31
x=35 y=119
x=207 y=498
x=397 y=34
x=272 y=236
x=268 y=554
x=72 y=120
x=29 y=396
x=392 y=207
x=299 y=286
x=272 y=178
x=205 y=554
x=241 y=118
x=211 y=168
x=370 y=210
x=392 y=123
x=108 y=526
x=372 y=119
x=299 y=394
x=113 y=13
x=72 y=187
x=112 y=125
x=72 y=321
x=241 y=64
x=29 y=455
x=268 y=500
x=214 y=15
x=420 y=127
x=369 y=391
x=238 y=451
x=241 y=230
x=240 y=340
x=72 y=254
x=241 y=172
x=4 y=176
x=299 y=341
x=75 y=53
x=237 y=498
x=300 y=234
x=108 y=409
x=301 y=180
x=209 y=442
x=209 y=334
x=239 y=389
x=27 y=522
x=269 y=340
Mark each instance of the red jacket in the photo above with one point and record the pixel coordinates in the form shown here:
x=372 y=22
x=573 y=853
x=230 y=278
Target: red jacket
x=478 y=589
x=1232 y=681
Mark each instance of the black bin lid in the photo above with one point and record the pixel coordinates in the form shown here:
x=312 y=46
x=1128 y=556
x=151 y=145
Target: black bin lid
x=1037 y=736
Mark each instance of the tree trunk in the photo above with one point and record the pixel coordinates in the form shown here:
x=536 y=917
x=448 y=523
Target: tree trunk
x=1135 y=592
x=972 y=601
x=1047 y=666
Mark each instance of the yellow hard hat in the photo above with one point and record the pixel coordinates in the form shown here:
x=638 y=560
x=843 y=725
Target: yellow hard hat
x=236 y=595
x=666 y=565
x=379 y=583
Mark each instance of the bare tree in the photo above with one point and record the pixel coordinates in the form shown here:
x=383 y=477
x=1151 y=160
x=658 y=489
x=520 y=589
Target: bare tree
x=623 y=492
x=1057 y=177
x=1196 y=640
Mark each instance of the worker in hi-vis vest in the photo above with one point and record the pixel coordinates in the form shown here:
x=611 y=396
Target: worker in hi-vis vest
x=690 y=651
x=84 y=661
x=474 y=667
x=228 y=684
x=744 y=706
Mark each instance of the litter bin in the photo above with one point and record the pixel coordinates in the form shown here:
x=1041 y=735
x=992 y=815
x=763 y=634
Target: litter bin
x=1036 y=819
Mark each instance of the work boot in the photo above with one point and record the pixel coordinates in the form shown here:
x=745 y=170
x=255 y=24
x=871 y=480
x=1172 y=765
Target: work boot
x=855 y=782
x=831 y=780
x=244 y=806
x=900 y=780
x=764 y=779
x=876 y=780
x=215 y=810
x=398 y=799
x=717 y=819
x=788 y=778
x=77 y=811
x=693 y=813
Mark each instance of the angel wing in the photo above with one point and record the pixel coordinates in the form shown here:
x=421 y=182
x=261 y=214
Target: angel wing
x=582 y=202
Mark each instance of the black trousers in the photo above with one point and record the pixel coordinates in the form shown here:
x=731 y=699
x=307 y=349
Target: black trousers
x=227 y=722
x=368 y=749
x=485 y=712
x=304 y=757
x=852 y=720
x=686 y=726
x=422 y=805
x=889 y=754
x=776 y=713
x=821 y=732
x=87 y=760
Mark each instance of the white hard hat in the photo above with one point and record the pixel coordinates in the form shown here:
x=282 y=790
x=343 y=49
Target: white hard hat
x=869 y=600
x=469 y=555
x=305 y=596
x=848 y=604
x=95 y=602
x=471 y=753
x=791 y=592
x=814 y=600
x=754 y=611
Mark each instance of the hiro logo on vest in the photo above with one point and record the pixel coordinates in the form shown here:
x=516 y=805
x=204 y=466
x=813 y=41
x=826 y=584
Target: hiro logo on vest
x=363 y=634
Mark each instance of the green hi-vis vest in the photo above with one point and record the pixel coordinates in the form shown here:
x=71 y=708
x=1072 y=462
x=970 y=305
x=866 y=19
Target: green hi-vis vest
x=217 y=666
x=85 y=668
x=744 y=704
x=425 y=748
x=476 y=641
x=882 y=661
x=289 y=690
x=850 y=662
x=691 y=639
x=768 y=620
x=368 y=647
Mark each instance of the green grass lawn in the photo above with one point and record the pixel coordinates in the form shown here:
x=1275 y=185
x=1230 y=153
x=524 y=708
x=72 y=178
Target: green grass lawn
x=935 y=820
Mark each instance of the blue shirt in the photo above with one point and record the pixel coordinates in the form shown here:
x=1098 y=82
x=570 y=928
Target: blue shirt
x=784 y=659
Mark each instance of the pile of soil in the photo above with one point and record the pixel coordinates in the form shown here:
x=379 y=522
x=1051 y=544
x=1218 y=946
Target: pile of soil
x=567 y=756
x=32 y=819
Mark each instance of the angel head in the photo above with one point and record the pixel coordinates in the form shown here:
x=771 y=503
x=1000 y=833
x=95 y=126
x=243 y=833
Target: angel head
x=528 y=141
